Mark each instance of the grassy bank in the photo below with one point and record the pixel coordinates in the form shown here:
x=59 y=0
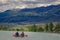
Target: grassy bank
x=48 y=27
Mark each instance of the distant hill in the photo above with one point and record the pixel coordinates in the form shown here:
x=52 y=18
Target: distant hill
x=31 y=15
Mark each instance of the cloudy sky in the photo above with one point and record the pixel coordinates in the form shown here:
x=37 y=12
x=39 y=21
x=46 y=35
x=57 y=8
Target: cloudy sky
x=12 y=4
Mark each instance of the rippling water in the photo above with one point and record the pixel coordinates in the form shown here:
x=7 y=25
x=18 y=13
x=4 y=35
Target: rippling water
x=7 y=35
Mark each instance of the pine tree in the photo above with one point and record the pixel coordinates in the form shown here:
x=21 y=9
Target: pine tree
x=50 y=28
x=57 y=28
x=40 y=29
x=46 y=27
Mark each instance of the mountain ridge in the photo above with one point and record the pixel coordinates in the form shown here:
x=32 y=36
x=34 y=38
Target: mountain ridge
x=40 y=14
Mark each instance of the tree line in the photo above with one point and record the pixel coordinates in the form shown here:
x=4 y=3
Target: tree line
x=49 y=27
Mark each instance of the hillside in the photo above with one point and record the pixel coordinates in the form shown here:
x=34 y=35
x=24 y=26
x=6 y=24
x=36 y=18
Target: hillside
x=31 y=15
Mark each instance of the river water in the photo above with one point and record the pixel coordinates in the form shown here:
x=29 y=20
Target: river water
x=7 y=35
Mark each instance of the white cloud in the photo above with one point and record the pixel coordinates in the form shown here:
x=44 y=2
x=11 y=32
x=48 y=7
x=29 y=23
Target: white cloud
x=11 y=4
x=21 y=6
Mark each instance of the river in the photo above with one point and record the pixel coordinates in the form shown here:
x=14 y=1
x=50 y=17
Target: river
x=7 y=35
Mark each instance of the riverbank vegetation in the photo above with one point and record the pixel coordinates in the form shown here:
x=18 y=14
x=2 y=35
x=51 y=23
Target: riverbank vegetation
x=48 y=27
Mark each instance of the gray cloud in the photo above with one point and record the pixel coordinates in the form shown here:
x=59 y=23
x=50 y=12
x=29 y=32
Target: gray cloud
x=11 y=4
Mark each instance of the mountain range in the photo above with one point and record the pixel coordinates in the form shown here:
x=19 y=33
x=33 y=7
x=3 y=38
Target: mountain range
x=31 y=15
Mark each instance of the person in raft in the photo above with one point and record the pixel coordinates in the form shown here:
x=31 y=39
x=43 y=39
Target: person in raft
x=17 y=34
x=22 y=34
